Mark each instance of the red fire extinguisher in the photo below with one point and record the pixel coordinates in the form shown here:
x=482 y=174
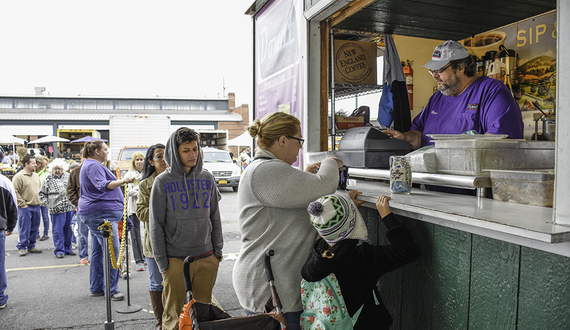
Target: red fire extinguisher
x=409 y=73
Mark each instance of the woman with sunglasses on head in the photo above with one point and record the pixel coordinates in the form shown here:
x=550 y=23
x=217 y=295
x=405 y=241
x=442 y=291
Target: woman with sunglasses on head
x=154 y=164
x=272 y=201
x=100 y=200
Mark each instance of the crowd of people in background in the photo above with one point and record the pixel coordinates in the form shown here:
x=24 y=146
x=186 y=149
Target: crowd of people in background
x=58 y=190
x=178 y=202
x=10 y=157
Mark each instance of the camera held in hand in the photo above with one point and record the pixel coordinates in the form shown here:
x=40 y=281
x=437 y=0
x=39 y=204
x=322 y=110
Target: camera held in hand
x=342 y=178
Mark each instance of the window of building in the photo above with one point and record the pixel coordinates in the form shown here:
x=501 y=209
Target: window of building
x=39 y=104
x=90 y=104
x=23 y=103
x=152 y=105
x=215 y=105
x=137 y=104
x=55 y=104
x=169 y=105
x=183 y=105
x=123 y=104
x=6 y=103
x=105 y=104
x=197 y=105
x=75 y=104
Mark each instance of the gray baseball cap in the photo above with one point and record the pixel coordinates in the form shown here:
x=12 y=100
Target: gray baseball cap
x=445 y=53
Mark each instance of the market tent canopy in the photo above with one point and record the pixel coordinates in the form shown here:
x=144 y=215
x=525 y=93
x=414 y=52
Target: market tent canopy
x=49 y=139
x=243 y=140
x=87 y=138
x=9 y=139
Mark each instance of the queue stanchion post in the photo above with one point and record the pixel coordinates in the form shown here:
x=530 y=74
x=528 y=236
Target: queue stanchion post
x=129 y=308
x=106 y=230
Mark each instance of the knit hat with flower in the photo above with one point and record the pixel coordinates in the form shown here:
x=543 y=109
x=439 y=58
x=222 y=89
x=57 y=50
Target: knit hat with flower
x=336 y=218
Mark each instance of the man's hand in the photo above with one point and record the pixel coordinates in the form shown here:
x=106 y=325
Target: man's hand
x=412 y=137
x=8 y=233
x=382 y=205
x=352 y=194
x=395 y=134
x=164 y=274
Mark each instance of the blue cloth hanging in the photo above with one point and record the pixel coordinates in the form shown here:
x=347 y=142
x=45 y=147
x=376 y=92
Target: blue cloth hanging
x=386 y=106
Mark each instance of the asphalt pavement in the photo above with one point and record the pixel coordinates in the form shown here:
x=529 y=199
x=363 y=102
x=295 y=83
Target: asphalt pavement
x=50 y=293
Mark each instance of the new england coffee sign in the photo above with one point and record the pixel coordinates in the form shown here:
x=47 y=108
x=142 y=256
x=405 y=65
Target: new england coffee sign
x=355 y=62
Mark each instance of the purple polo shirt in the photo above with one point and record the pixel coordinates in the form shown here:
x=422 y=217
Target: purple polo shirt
x=486 y=106
x=95 y=196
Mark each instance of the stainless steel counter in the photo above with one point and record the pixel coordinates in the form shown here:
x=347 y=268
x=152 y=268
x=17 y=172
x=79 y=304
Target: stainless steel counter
x=526 y=225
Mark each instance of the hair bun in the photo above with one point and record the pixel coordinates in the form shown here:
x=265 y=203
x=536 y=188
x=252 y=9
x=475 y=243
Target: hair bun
x=315 y=208
x=254 y=128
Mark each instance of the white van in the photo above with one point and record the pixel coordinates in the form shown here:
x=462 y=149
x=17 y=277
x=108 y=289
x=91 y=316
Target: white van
x=221 y=165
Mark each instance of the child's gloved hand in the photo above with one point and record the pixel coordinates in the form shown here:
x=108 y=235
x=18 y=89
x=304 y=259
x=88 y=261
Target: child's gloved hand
x=382 y=205
x=352 y=194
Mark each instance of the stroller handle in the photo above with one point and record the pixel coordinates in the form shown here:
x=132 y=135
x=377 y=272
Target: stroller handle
x=276 y=301
x=187 y=281
x=268 y=270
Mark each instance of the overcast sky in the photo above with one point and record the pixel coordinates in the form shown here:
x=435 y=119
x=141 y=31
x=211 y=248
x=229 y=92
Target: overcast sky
x=127 y=48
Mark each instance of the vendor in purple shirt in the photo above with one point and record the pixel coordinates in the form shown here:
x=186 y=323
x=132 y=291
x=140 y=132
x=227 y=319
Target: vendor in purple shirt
x=465 y=101
x=100 y=199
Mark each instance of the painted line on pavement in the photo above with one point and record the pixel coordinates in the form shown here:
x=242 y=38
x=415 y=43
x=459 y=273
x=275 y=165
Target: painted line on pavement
x=43 y=267
x=231 y=256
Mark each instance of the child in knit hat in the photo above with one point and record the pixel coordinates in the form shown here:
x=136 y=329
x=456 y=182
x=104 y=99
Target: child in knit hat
x=357 y=265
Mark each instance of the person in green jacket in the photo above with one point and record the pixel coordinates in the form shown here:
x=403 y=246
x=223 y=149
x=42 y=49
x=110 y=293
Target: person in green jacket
x=154 y=164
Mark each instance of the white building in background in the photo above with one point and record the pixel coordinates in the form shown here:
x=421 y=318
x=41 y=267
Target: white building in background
x=35 y=116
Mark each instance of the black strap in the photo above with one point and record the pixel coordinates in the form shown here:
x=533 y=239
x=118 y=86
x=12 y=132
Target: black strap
x=261 y=158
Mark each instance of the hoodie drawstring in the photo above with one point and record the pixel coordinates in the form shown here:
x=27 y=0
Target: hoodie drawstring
x=186 y=185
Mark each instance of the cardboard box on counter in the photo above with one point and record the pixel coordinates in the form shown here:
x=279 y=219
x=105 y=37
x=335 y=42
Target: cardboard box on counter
x=355 y=62
x=343 y=122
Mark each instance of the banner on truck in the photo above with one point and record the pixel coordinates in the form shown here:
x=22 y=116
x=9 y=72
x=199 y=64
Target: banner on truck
x=279 y=69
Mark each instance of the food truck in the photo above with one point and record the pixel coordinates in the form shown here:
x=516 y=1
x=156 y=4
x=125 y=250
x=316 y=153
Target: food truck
x=485 y=263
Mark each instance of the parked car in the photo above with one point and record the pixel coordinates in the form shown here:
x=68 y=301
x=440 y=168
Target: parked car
x=125 y=158
x=221 y=165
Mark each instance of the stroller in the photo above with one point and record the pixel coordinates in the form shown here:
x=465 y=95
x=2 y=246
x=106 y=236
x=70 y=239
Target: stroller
x=200 y=316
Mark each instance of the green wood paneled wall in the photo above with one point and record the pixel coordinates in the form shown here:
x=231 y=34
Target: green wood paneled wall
x=544 y=291
x=494 y=284
x=467 y=281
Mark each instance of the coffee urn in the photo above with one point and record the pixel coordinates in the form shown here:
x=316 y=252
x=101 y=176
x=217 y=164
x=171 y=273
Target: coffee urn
x=549 y=128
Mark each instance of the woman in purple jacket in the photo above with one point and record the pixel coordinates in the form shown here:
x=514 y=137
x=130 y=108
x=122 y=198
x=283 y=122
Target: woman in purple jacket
x=100 y=200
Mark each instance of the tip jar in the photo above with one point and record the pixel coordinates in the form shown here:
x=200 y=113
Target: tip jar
x=400 y=175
